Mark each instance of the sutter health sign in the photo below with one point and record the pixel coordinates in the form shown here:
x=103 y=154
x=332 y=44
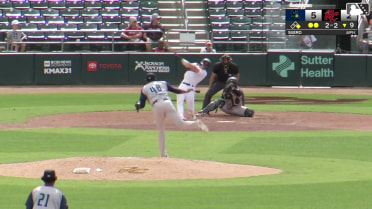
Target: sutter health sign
x=316 y=66
x=317 y=69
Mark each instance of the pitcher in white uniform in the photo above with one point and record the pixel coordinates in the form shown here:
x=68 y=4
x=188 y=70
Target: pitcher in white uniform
x=47 y=196
x=195 y=73
x=156 y=92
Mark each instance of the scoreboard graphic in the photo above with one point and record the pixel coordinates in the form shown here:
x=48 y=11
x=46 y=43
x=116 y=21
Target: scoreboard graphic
x=323 y=22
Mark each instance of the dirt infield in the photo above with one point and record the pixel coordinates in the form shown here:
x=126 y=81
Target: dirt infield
x=139 y=168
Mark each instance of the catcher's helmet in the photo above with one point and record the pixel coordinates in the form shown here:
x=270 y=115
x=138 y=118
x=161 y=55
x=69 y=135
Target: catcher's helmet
x=232 y=79
x=150 y=77
x=225 y=57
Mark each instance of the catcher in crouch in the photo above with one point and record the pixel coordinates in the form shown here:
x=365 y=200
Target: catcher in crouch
x=232 y=101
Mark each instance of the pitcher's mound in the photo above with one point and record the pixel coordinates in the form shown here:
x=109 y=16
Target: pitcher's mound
x=134 y=168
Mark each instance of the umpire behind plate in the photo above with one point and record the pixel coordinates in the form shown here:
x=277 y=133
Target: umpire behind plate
x=232 y=101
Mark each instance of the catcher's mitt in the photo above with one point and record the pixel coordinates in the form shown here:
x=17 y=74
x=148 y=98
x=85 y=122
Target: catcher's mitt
x=137 y=106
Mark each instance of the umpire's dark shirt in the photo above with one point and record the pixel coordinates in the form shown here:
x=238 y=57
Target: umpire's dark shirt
x=222 y=73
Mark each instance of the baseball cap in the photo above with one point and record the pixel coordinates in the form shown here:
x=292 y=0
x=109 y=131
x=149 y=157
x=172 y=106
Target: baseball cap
x=155 y=16
x=150 y=77
x=15 y=22
x=49 y=176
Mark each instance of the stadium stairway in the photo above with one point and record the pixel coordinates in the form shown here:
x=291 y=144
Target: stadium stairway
x=181 y=16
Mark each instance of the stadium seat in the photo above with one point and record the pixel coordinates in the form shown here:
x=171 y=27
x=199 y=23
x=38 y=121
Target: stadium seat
x=68 y=27
x=48 y=27
x=148 y=12
x=31 y=12
x=240 y=20
x=252 y=12
x=130 y=5
x=111 y=5
x=109 y=12
x=75 y=20
x=129 y=12
x=29 y=27
x=57 y=20
x=112 y=19
x=253 y=4
x=220 y=36
x=75 y=4
x=148 y=4
x=13 y=13
x=4 y=20
x=57 y=5
x=88 y=27
x=93 y=5
x=93 y=20
x=89 y=12
x=236 y=12
x=22 y=5
x=6 y=5
x=220 y=20
x=42 y=4
x=234 y=5
x=36 y=20
x=216 y=5
x=217 y=12
x=50 y=12
x=68 y=12
x=239 y=32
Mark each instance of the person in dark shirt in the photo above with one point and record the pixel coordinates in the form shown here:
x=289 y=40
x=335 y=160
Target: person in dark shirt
x=221 y=72
x=156 y=33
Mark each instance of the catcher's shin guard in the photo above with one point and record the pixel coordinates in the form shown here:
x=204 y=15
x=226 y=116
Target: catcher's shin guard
x=213 y=106
x=248 y=112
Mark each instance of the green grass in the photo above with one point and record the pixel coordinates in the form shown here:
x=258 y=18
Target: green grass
x=321 y=169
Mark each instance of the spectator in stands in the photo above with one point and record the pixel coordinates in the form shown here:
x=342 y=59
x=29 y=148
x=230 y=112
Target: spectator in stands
x=156 y=33
x=134 y=37
x=307 y=41
x=15 y=36
x=366 y=41
x=161 y=46
x=208 y=47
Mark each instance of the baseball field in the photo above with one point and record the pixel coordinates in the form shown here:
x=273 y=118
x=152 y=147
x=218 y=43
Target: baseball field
x=304 y=149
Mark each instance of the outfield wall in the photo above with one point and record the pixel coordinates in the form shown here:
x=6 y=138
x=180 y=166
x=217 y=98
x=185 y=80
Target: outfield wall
x=275 y=68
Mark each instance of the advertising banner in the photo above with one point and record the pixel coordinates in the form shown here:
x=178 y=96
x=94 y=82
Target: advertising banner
x=105 y=68
x=283 y=68
x=317 y=68
x=56 y=68
x=162 y=64
x=369 y=70
x=16 y=72
x=350 y=70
